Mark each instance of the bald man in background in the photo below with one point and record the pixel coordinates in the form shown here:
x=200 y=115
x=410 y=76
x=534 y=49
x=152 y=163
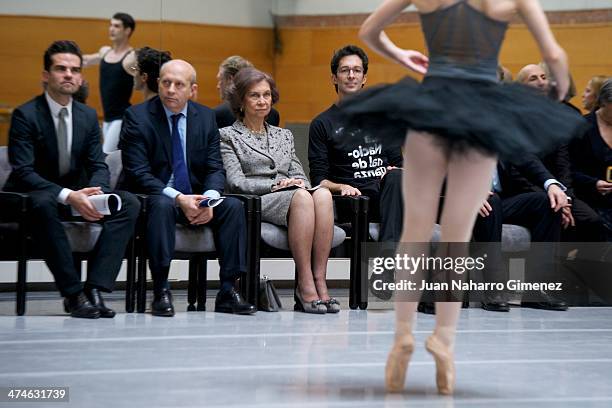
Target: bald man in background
x=170 y=151
x=579 y=221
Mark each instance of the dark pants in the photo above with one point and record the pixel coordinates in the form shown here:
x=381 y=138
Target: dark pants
x=606 y=216
x=229 y=231
x=386 y=205
x=530 y=210
x=107 y=255
x=589 y=227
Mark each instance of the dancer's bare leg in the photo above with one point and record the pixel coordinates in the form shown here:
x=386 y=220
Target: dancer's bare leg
x=425 y=166
x=467 y=187
x=468 y=184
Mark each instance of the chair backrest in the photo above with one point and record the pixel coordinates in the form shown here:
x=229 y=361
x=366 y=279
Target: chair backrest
x=115 y=166
x=5 y=166
x=113 y=161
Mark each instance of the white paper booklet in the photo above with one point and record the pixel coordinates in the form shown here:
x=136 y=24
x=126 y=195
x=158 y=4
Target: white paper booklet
x=105 y=204
x=211 y=202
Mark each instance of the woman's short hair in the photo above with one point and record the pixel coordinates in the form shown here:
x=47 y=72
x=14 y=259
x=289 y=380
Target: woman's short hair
x=605 y=93
x=232 y=65
x=596 y=83
x=244 y=80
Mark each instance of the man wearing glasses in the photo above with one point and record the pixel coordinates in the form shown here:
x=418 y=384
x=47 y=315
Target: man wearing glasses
x=353 y=162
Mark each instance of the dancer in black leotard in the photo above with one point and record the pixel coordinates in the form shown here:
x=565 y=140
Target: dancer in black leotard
x=458 y=121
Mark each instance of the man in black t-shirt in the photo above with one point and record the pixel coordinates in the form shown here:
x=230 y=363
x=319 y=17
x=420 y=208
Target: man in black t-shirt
x=352 y=162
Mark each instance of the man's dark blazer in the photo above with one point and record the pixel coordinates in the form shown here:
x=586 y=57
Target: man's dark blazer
x=146 y=147
x=33 y=150
x=531 y=175
x=225 y=117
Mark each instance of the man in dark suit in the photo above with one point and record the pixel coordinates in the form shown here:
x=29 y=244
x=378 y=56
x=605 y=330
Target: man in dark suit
x=540 y=212
x=579 y=221
x=170 y=149
x=55 y=153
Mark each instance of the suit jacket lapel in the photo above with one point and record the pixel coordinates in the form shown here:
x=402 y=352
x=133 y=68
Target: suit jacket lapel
x=249 y=139
x=275 y=140
x=160 y=123
x=78 y=134
x=47 y=127
x=193 y=130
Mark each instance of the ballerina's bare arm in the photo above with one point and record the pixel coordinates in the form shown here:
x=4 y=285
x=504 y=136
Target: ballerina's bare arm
x=553 y=54
x=371 y=32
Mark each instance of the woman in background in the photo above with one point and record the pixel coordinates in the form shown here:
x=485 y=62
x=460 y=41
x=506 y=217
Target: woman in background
x=591 y=157
x=591 y=92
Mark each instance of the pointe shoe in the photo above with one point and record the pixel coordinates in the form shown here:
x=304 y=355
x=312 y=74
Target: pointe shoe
x=445 y=365
x=397 y=363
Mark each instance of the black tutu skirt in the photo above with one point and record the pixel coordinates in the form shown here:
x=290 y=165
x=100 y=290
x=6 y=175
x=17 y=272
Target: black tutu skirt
x=507 y=120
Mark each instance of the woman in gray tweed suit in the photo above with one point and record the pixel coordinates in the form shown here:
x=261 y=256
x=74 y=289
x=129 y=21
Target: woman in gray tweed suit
x=260 y=159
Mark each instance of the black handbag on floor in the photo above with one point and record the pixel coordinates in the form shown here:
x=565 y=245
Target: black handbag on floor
x=268 y=297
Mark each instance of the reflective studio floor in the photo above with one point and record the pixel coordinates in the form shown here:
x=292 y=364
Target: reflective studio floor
x=525 y=358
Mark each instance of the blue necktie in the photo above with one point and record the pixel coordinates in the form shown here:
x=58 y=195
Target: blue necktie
x=179 y=167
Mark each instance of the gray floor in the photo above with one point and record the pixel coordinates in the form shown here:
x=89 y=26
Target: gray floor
x=525 y=358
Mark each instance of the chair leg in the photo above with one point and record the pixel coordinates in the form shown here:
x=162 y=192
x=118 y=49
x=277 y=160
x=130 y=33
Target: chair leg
x=131 y=274
x=22 y=264
x=354 y=262
x=249 y=284
x=78 y=265
x=202 y=284
x=141 y=251
x=192 y=286
x=362 y=277
x=141 y=285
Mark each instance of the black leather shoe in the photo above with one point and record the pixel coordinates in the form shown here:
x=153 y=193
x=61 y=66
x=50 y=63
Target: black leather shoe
x=162 y=304
x=427 y=308
x=95 y=298
x=495 y=303
x=496 y=306
x=78 y=306
x=230 y=301
x=547 y=302
x=557 y=305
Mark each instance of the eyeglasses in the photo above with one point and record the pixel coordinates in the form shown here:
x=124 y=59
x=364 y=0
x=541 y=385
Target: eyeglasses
x=347 y=70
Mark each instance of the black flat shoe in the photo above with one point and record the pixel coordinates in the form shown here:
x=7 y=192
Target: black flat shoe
x=495 y=303
x=230 y=301
x=546 y=302
x=162 y=304
x=95 y=298
x=496 y=306
x=559 y=306
x=78 y=306
x=427 y=308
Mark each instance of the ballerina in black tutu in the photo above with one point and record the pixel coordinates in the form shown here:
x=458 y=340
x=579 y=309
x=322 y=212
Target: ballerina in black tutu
x=458 y=122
